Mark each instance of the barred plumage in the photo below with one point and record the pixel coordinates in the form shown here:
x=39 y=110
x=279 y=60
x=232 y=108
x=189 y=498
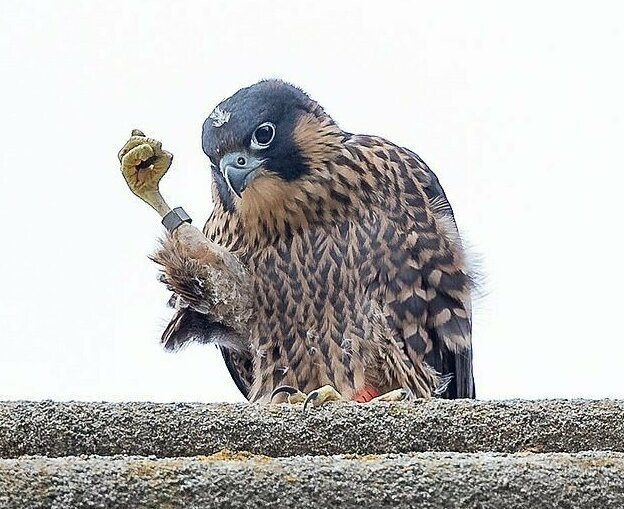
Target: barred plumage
x=356 y=271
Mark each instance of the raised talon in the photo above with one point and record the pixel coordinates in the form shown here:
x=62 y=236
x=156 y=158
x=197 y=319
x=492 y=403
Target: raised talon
x=321 y=396
x=396 y=395
x=294 y=395
x=143 y=164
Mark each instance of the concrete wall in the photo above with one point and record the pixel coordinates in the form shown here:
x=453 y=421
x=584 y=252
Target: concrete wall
x=478 y=454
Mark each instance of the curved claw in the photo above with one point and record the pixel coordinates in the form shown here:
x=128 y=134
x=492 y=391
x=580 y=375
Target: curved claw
x=310 y=399
x=288 y=389
x=294 y=395
x=406 y=393
x=321 y=396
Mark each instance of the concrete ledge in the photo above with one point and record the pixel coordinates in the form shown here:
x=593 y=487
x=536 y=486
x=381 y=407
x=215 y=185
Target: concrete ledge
x=430 y=480
x=171 y=430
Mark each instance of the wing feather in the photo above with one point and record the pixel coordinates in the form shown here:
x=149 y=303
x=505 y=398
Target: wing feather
x=452 y=352
x=428 y=300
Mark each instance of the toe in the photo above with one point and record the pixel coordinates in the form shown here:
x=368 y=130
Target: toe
x=394 y=396
x=321 y=396
x=138 y=154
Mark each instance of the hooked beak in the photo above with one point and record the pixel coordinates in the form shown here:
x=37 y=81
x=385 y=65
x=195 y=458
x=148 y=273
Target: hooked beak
x=239 y=169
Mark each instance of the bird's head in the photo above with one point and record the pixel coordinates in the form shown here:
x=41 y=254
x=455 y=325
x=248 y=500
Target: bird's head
x=264 y=142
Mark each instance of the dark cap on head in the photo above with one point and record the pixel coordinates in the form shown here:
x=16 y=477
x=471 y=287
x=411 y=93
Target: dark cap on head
x=253 y=130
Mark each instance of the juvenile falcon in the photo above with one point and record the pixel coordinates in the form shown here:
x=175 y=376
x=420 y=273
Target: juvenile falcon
x=331 y=266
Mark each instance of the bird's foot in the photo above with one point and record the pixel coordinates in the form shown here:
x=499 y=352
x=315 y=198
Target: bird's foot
x=321 y=396
x=143 y=164
x=317 y=397
x=394 y=396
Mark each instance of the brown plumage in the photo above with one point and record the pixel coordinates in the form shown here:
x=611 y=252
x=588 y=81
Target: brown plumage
x=352 y=269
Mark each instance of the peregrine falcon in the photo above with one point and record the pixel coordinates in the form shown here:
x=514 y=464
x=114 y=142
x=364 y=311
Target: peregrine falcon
x=331 y=267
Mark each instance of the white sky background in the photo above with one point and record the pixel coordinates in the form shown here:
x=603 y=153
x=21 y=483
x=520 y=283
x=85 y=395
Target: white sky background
x=519 y=110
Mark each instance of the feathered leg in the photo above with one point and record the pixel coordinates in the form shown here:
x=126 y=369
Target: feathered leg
x=205 y=277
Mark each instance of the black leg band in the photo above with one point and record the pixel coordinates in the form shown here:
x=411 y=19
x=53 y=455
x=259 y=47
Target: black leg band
x=175 y=218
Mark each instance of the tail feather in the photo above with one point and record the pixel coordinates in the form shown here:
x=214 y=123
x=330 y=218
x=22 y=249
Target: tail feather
x=188 y=325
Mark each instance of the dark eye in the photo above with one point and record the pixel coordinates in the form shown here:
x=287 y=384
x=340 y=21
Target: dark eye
x=263 y=135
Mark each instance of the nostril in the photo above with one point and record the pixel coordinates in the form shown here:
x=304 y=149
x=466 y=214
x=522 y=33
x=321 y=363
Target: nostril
x=241 y=161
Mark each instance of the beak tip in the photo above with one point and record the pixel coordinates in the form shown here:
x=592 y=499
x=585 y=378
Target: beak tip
x=237 y=174
x=236 y=179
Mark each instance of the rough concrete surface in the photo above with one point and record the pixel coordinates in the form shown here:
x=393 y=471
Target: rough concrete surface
x=171 y=430
x=425 y=480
